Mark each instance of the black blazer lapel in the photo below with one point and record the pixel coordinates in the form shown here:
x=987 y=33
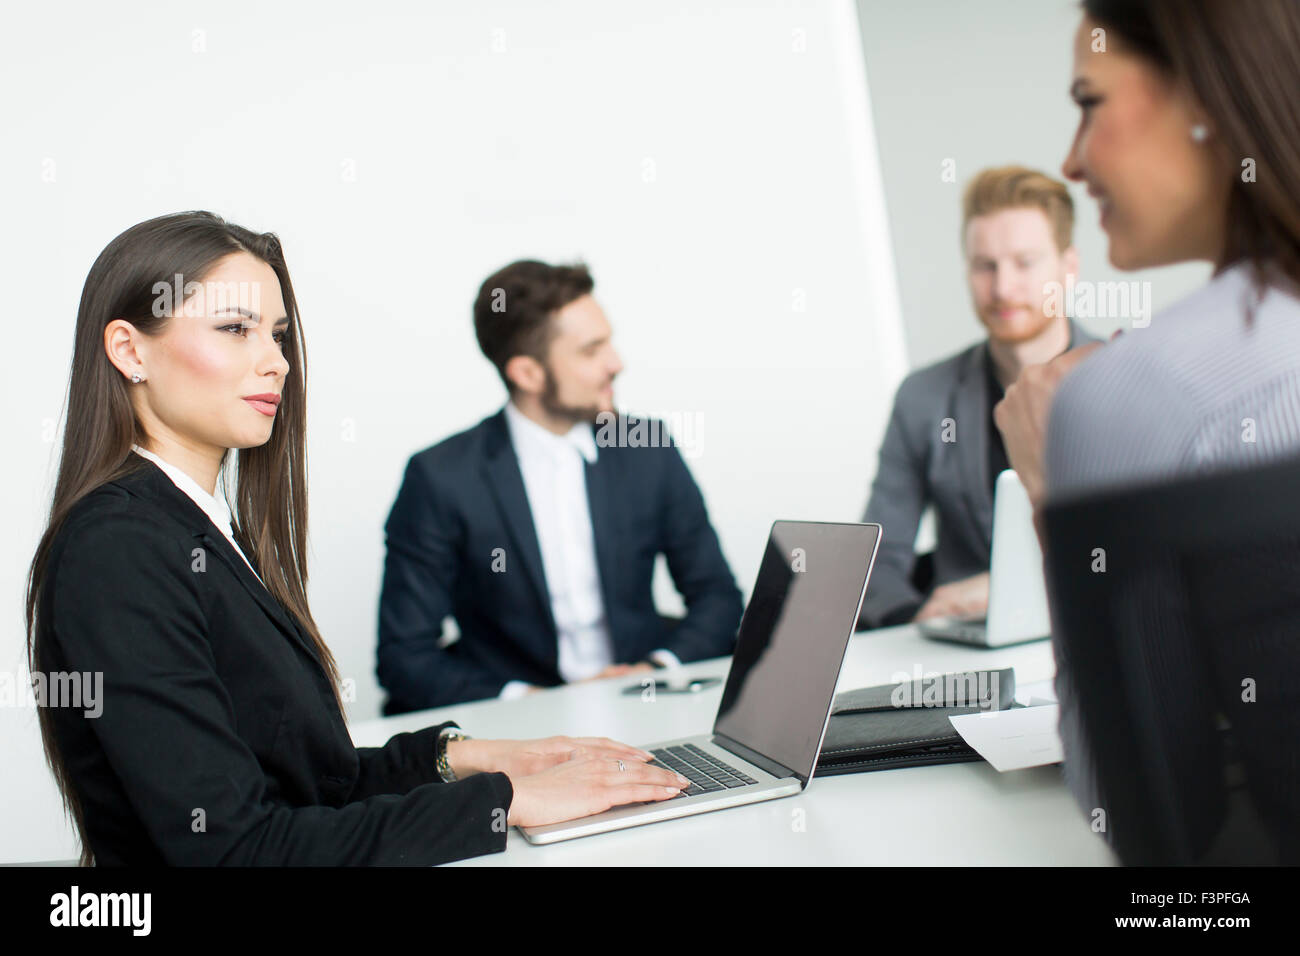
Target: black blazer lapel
x=506 y=482
x=216 y=543
x=151 y=482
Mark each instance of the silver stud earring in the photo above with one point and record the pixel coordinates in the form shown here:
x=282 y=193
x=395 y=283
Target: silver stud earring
x=137 y=378
x=1200 y=133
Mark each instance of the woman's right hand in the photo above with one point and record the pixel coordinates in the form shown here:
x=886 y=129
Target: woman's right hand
x=585 y=785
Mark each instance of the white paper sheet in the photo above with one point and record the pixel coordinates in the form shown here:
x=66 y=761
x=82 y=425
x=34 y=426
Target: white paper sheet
x=1014 y=739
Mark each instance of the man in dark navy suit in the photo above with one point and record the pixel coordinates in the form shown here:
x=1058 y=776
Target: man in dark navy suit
x=537 y=530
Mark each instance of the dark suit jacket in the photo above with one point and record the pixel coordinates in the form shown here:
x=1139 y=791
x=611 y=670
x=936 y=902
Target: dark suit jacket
x=219 y=740
x=462 y=508
x=918 y=468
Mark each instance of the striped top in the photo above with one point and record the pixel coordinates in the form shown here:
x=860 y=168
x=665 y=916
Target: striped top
x=1197 y=390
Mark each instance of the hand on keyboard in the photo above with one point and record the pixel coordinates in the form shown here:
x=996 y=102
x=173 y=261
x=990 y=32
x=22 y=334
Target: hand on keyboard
x=706 y=773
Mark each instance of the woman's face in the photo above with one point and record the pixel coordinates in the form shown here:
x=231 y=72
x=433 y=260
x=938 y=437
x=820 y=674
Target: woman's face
x=219 y=350
x=1163 y=196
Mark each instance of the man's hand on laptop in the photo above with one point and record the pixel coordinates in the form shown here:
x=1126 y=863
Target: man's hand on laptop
x=968 y=597
x=590 y=781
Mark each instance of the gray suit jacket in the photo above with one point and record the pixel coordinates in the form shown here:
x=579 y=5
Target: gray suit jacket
x=919 y=468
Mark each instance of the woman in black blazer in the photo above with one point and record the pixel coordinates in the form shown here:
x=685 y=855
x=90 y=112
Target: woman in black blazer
x=217 y=734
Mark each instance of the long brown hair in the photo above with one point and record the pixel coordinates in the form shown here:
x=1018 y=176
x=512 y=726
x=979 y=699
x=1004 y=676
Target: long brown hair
x=269 y=507
x=1241 y=60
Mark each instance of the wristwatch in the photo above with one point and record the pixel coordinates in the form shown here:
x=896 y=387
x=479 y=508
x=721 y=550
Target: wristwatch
x=447 y=735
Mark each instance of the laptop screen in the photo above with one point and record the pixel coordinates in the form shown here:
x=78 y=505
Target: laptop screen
x=792 y=639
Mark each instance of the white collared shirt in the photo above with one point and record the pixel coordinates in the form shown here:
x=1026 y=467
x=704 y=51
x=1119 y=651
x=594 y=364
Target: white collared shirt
x=555 y=481
x=215 y=508
x=553 y=469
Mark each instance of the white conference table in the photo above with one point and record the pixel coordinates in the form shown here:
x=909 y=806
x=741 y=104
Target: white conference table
x=956 y=814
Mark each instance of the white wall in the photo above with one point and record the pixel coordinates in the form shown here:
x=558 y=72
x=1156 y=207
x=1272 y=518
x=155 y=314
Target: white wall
x=981 y=84
x=716 y=167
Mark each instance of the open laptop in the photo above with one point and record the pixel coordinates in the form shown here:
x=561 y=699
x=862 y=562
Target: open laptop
x=1017 y=592
x=778 y=695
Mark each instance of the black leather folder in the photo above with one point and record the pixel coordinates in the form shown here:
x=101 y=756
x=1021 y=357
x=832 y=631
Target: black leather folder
x=906 y=724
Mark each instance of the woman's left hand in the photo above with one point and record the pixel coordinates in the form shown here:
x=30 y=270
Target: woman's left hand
x=521 y=758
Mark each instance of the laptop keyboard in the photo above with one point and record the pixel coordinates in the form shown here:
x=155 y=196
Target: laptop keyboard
x=707 y=774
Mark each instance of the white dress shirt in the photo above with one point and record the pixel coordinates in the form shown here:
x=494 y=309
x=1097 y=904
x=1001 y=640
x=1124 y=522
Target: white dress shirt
x=215 y=508
x=553 y=468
